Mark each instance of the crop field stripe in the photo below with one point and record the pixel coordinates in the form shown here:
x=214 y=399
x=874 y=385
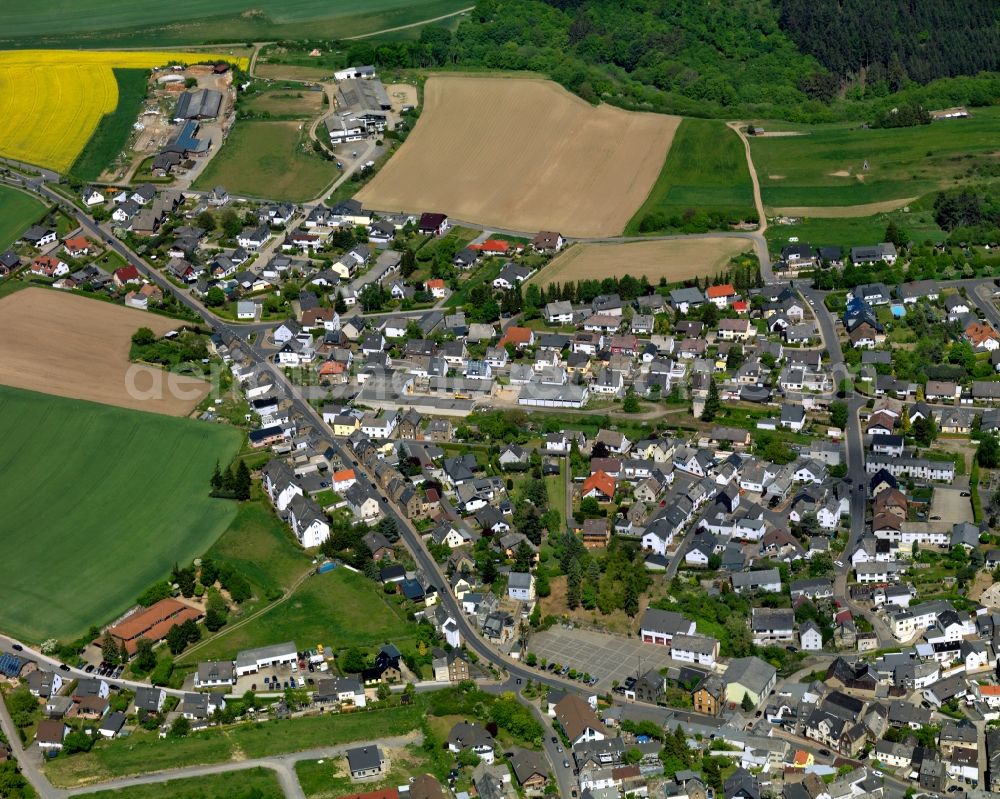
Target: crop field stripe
x=705 y=169
x=112 y=132
x=106 y=501
x=125 y=23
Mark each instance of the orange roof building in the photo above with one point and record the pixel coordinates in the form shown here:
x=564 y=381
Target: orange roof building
x=518 y=336
x=599 y=483
x=331 y=368
x=153 y=623
x=978 y=334
x=498 y=246
x=717 y=292
x=77 y=244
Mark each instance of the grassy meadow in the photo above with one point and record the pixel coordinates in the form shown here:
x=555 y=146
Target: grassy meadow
x=18 y=212
x=825 y=165
x=269 y=159
x=145 y=752
x=705 y=170
x=99 y=502
x=918 y=224
x=339 y=609
x=260 y=783
x=120 y=23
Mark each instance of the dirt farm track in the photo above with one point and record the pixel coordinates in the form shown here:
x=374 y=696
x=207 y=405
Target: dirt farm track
x=673 y=259
x=523 y=154
x=76 y=347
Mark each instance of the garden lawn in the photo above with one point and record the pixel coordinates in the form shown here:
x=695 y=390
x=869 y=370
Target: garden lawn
x=481 y=274
x=114 y=129
x=825 y=167
x=705 y=170
x=339 y=608
x=260 y=783
x=18 y=212
x=556 y=488
x=269 y=159
x=99 y=502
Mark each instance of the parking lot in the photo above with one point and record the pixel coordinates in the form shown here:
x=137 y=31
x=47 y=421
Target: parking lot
x=607 y=657
x=950 y=505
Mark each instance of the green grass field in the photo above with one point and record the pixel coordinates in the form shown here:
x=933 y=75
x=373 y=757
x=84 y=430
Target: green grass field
x=268 y=159
x=288 y=103
x=260 y=546
x=903 y=162
x=145 y=752
x=260 y=783
x=98 y=502
x=328 y=777
x=114 y=129
x=18 y=212
x=340 y=609
x=853 y=231
x=119 y=23
x=706 y=169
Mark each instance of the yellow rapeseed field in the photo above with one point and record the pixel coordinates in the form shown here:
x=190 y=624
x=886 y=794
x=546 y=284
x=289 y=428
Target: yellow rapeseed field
x=52 y=100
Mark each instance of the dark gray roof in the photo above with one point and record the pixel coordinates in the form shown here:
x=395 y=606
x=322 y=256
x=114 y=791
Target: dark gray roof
x=199 y=104
x=364 y=758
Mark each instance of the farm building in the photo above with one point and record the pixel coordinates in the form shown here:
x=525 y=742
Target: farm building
x=363 y=96
x=199 y=104
x=185 y=143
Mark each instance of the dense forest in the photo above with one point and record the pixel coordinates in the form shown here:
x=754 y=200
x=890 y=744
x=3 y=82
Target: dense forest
x=896 y=41
x=720 y=59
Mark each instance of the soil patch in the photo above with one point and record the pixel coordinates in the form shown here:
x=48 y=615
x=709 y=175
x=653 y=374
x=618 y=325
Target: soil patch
x=674 y=259
x=523 y=155
x=76 y=347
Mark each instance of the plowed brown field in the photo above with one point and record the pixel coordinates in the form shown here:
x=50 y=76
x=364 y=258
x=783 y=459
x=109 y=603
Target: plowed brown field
x=523 y=155
x=674 y=259
x=75 y=347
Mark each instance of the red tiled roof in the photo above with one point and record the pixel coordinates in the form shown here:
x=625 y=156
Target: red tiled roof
x=978 y=333
x=331 y=368
x=77 y=243
x=491 y=245
x=725 y=290
x=516 y=335
x=602 y=481
x=127 y=273
x=153 y=623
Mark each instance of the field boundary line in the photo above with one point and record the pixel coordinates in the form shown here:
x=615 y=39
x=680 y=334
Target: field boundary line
x=411 y=25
